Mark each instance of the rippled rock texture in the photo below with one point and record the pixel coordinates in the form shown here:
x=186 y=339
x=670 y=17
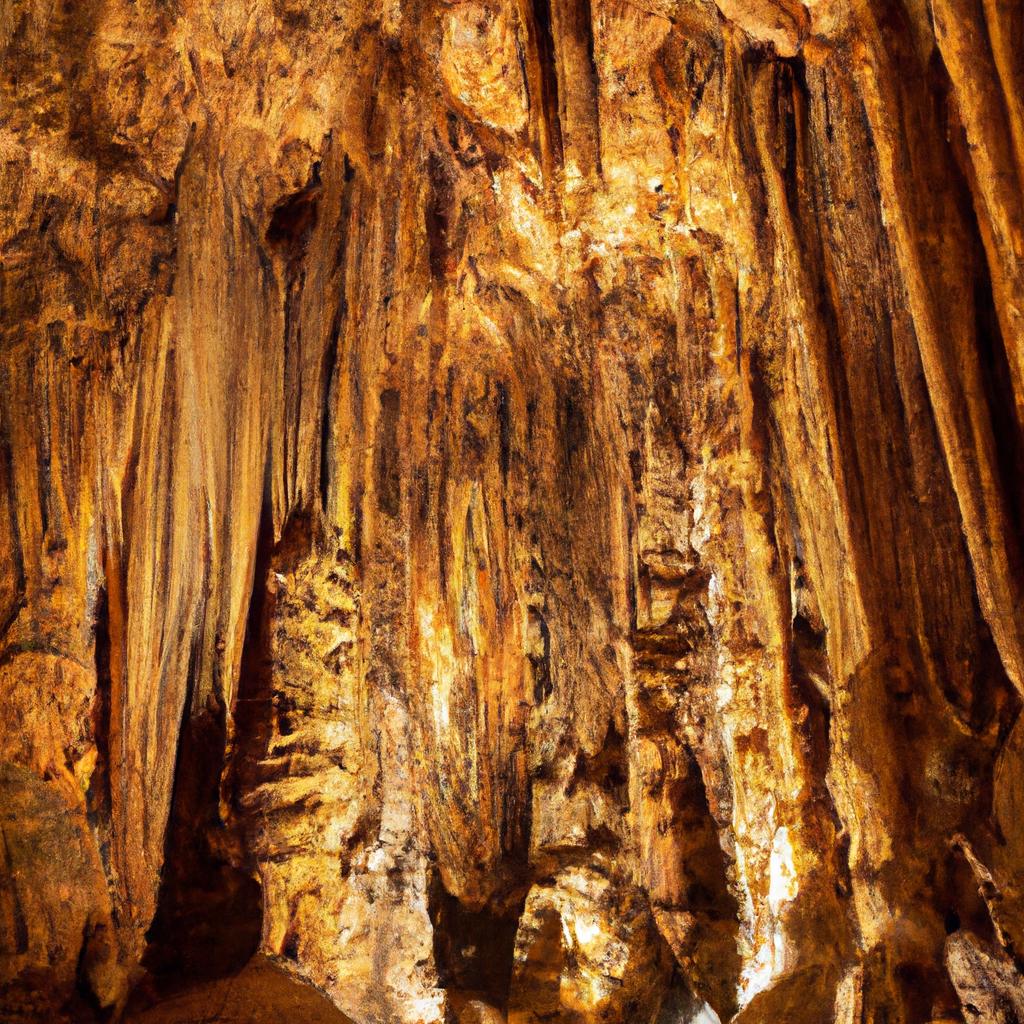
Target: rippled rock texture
x=512 y=510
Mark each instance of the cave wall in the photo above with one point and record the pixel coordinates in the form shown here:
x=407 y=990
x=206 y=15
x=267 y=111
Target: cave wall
x=514 y=508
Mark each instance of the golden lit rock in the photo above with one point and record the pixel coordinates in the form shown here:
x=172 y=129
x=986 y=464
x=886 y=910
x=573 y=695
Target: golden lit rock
x=511 y=511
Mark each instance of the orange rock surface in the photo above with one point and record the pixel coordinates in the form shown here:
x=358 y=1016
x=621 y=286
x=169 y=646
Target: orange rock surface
x=511 y=512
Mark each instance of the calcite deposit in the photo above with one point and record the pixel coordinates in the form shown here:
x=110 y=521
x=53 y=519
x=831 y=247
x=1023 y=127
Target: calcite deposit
x=511 y=511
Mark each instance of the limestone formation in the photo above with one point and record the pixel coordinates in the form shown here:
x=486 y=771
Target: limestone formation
x=511 y=511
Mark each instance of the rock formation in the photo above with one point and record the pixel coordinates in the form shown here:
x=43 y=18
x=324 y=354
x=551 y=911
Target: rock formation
x=511 y=511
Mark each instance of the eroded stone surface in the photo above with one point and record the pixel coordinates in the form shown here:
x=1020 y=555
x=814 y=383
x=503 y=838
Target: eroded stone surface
x=261 y=993
x=587 y=951
x=513 y=508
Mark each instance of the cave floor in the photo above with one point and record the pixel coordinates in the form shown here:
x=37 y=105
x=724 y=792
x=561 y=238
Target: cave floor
x=261 y=993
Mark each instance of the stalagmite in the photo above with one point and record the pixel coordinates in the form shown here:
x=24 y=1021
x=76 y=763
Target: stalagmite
x=512 y=511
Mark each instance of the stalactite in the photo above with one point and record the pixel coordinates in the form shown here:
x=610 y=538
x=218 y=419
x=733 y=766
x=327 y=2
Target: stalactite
x=511 y=512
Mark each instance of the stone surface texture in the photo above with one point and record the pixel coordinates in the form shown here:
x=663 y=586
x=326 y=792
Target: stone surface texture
x=511 y=511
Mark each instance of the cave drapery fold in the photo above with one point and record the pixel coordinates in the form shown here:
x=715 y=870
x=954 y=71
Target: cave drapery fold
x=511 y=510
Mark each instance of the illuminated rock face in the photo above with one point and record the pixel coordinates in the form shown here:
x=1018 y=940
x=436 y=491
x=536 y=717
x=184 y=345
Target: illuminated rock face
x=512 y=510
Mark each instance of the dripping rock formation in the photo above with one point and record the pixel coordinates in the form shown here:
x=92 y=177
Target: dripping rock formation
x=511 y=511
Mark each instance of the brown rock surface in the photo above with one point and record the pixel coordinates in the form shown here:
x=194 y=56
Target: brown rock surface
x=512 y=510
x=261 y=993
